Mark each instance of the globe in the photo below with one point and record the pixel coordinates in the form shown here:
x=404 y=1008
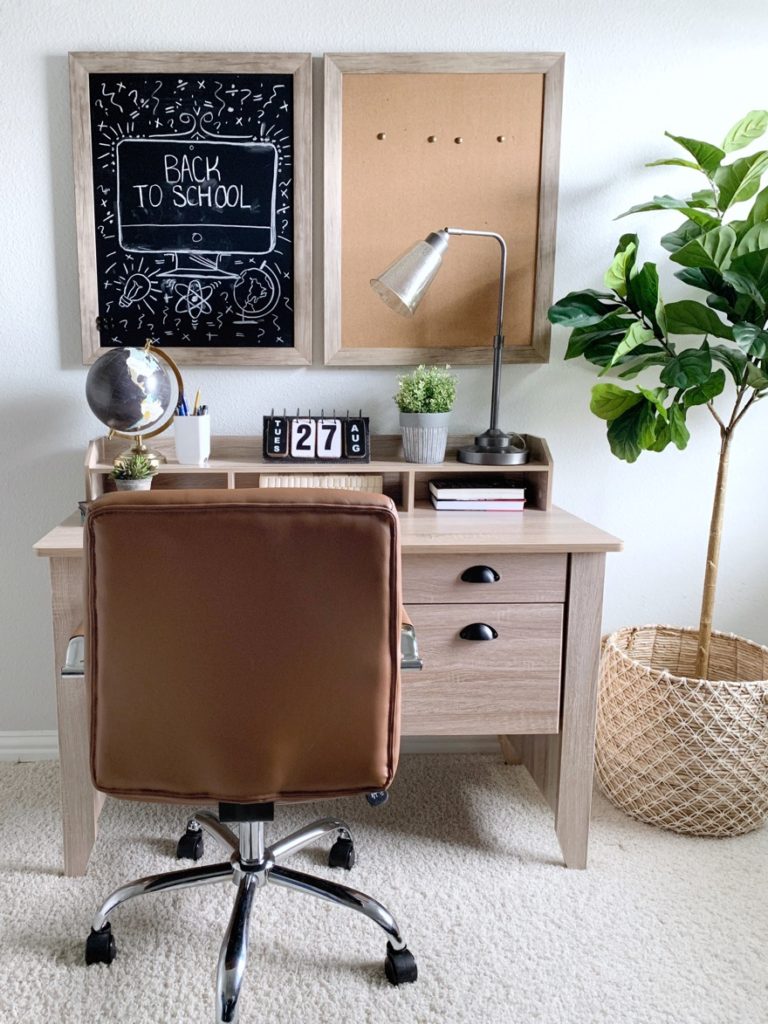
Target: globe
x=132 y=391
x=256 y=292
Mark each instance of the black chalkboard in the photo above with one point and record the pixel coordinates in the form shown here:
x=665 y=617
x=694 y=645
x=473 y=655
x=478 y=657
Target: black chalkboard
x=193 y=204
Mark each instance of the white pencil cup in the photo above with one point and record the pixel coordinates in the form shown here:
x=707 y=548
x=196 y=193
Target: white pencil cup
x=193 y=439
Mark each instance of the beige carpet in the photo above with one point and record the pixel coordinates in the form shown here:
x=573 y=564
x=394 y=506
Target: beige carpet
x=661 y=929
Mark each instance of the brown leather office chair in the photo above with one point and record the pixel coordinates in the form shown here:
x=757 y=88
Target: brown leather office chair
x=243 y=648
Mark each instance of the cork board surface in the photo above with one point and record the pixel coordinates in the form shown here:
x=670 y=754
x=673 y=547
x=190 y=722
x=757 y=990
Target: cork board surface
x=396 y=190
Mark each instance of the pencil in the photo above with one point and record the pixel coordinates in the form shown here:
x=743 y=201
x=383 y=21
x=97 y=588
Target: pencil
x=197 y=402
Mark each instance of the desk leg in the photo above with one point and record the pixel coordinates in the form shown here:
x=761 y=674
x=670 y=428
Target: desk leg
x=562 y=764
x=80 y=802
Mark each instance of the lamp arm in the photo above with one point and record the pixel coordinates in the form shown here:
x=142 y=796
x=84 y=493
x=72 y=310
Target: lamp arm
x=502 y=272
x=498 y=341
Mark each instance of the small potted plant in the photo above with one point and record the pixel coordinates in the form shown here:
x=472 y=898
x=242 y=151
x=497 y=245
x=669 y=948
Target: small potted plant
x=425 y=398
x=133 y=473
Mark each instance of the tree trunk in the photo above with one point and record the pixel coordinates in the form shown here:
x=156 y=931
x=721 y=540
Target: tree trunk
x=713 y=557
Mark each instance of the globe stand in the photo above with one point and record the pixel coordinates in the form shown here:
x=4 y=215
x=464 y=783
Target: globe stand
x=152 y=455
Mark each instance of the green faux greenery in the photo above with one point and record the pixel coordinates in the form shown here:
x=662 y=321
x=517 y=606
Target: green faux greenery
x=134 y=467
x=426 y=389
x=628 y=328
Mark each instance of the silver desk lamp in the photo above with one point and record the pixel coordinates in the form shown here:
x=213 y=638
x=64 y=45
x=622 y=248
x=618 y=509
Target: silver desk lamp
x=403 y=285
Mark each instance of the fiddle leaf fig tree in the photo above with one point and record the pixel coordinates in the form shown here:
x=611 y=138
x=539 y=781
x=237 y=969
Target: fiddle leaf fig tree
x=710 y=349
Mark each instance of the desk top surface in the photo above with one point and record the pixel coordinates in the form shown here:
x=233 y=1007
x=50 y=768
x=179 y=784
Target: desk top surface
x=425 y=531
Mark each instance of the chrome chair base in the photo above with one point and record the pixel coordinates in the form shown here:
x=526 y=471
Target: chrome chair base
x=251 y=866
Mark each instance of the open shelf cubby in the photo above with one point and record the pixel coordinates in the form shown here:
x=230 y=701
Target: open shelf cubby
x=237 y=461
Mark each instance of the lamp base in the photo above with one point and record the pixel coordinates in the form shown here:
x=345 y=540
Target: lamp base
x=495 y=448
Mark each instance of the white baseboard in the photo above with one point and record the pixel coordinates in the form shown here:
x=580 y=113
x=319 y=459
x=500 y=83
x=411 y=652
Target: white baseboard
x=41 y=745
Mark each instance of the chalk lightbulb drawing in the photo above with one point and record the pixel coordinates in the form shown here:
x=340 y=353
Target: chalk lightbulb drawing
x=139 y=287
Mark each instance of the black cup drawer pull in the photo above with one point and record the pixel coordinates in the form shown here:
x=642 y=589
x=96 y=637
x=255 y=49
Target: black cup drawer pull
x=480 y=574
x=478 y=631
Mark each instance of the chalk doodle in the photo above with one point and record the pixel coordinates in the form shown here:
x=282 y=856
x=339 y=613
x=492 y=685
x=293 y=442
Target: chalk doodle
x=193 y=208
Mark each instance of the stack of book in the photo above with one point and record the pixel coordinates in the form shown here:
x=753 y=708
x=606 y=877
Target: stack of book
x=477 y=494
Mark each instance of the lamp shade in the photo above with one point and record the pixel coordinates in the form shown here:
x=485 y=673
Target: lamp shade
x=403 y=284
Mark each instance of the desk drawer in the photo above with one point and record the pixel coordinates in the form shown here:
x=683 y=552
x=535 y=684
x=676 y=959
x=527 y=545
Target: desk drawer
x=436 y=579
x=468 y=687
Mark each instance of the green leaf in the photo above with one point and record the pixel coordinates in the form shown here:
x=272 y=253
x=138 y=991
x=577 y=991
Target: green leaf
x=732 y=359
x=674 y=161
x=657 y=397
x=735 y=180
x=634 y=430
x=749 y=128
x=751 y=340
x=677 y=428
x=706 y=196
x=618 y=272
x=749 y=274
x=663 y=436
x=692 y=366
x=711 y=250
x=707 y=279
x=707 y=156
x=759 y=211
x=660 y=315
x=747 y=190
x=753 y=239
x=665 y=203
x=635 y=336
x=625 y=241
x=690 y=317
x=756 y=378
x=700 y=394
x=580 y=309
x=603 y=352
x=609 y=401
x=676 y=239
x=643 y=291
x=637 y=366
x=611 y=328
x=747 y=289
x=704 y=220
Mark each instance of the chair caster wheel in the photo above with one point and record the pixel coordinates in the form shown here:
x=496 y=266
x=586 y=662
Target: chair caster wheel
x=400 y=966
x=100 y=946
x=378 y=798
x=342 y=854
x=191 y=845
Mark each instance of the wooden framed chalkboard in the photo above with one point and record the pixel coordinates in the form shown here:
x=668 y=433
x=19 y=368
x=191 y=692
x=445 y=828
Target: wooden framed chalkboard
x=415 y=142
x=193 y=192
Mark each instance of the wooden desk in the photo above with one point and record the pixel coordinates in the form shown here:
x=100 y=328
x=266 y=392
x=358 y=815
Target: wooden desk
x=535 y=686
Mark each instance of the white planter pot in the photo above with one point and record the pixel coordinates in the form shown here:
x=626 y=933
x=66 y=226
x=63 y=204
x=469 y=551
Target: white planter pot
x=134 y=485
x=425 y=435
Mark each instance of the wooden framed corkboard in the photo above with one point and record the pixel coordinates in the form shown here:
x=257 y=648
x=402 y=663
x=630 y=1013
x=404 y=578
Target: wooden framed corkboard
x=418 y=142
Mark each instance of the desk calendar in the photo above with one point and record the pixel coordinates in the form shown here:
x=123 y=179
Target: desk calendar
x=317 y=439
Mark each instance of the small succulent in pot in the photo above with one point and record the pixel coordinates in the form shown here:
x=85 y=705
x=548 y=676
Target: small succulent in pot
x=133 y=473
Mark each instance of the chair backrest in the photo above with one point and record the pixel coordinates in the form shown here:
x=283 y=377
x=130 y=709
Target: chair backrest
x=243 y=646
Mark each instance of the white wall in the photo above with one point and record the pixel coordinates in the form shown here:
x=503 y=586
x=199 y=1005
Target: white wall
x=690 y=66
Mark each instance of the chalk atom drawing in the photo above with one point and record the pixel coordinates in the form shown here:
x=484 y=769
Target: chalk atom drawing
x=193 y=208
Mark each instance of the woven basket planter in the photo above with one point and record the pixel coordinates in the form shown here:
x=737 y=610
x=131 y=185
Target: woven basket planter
x=686 y=754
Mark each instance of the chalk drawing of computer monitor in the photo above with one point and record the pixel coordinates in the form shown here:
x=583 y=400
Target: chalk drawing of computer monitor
x=183 y=196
